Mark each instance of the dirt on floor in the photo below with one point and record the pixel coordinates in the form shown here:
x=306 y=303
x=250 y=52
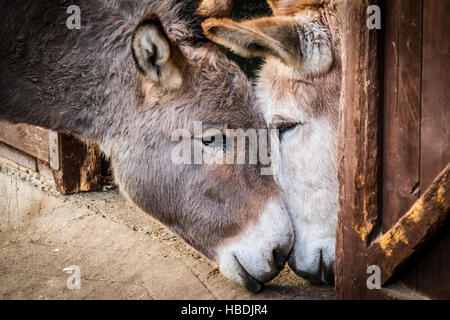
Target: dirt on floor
x=121 y=252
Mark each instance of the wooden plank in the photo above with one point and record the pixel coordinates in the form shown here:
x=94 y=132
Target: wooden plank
x=395 y=292
x=435 y=92
x=54 y=150
x=402 y=103
x=402 y=112
x=18 y=157
x=434 y=263
x=91 y=170
x=29 y=139
x=45 y=170
x=391 y=250
x=358 y=148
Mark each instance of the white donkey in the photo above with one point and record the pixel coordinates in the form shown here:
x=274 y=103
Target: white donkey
x=299 y=88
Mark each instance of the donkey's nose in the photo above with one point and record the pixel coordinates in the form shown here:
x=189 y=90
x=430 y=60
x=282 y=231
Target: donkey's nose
x=323 y=273
x=259 y=252
x=279 y=258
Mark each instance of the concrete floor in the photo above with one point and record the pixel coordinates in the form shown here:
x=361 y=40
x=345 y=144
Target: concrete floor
x=122 y=253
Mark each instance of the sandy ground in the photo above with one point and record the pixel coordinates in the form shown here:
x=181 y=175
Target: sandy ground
x=121 y=252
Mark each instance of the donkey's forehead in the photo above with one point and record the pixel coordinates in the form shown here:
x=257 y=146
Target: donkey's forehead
x=285 y=97
x=223 y=93
x=229 y=108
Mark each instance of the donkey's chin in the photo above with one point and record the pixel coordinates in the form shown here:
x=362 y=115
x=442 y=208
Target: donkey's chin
x=258 y=254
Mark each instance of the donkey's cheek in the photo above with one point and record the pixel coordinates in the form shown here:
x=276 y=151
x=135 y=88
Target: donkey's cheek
x=258 y=253
x=308 y=179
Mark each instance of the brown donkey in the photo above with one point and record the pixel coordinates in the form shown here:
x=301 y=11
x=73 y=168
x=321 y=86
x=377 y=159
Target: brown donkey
x=299 y=90
x=135 y=72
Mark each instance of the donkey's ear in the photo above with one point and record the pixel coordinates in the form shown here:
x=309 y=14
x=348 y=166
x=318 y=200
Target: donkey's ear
x=302 y=44
x=155 y=54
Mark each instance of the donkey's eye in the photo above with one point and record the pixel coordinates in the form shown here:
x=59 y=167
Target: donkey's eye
x=286 y=127
x=215 y=141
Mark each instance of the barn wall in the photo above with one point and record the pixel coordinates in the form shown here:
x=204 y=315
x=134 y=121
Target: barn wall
x=399 y=75
x=417 y=126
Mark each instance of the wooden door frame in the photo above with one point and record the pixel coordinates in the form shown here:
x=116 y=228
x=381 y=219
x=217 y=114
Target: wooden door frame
x=359 y=242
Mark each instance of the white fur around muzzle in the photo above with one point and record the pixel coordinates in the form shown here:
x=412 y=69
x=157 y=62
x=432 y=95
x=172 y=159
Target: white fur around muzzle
x=248 y=259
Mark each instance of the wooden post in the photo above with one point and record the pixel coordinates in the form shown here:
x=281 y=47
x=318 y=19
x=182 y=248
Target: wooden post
x=80 y=166
x=359 y=148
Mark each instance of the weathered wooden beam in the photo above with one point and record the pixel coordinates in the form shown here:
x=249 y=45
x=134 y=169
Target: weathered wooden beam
x=395 y=292
x=76 y=167
x=80 y=166
x=359 y=148
x=391 y=250
x=91 y=170
x=18 y=157
x=54 y=150
x=29 y=139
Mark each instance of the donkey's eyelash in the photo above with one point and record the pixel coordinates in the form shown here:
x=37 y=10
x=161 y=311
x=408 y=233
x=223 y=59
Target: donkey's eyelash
x=286 y=127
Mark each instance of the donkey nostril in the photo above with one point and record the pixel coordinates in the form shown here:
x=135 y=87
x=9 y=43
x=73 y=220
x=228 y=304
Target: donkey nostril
x=328 y=274
x=279 y=259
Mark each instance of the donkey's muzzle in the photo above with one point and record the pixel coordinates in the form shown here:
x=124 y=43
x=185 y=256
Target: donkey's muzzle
x=259 y=252
x=323 y=274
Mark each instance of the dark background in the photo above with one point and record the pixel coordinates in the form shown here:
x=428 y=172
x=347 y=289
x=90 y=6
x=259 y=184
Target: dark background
x=243 y=10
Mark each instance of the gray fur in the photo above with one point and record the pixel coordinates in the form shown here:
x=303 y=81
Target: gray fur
x=85 y=82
